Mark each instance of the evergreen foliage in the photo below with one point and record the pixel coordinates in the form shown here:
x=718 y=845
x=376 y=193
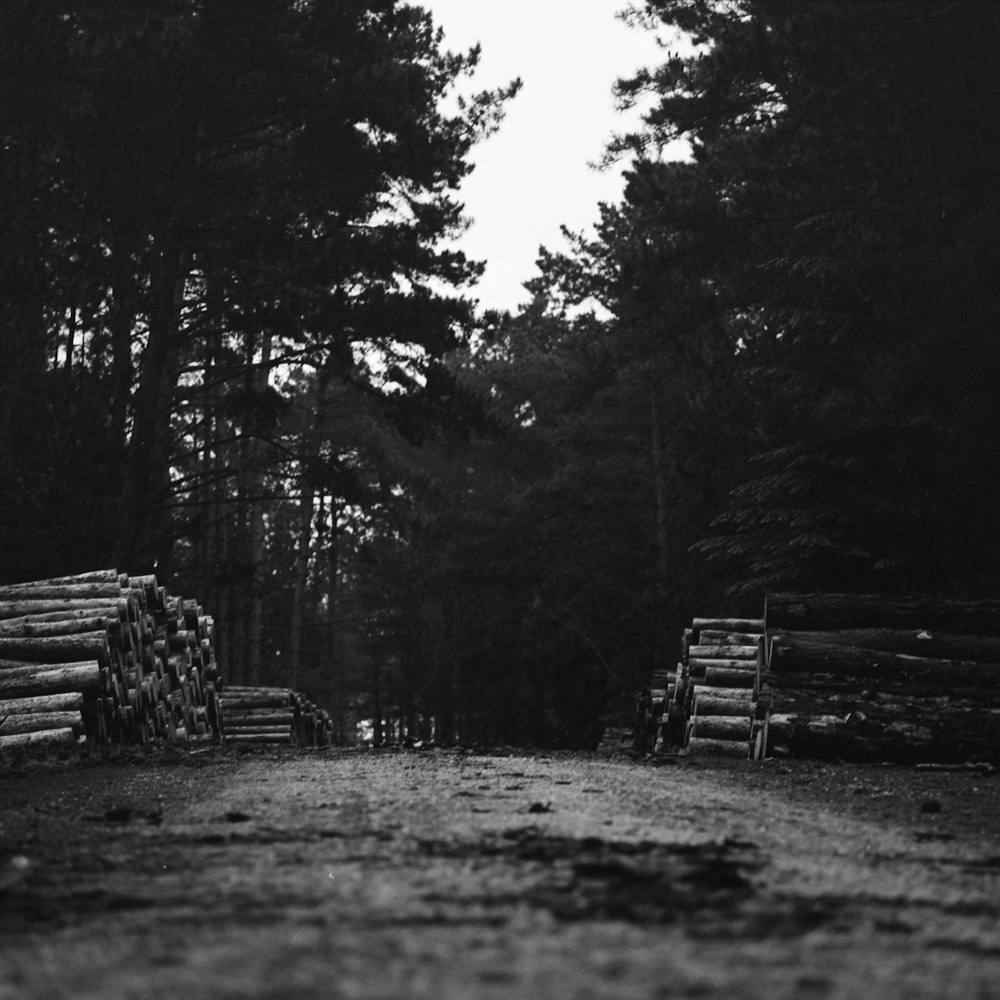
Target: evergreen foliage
x=225 y=352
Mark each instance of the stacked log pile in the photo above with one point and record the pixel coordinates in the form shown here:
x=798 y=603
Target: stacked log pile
x=711 y=703
x=841 y=677
x=857 y=677
x=104 y=658
x=271 y=715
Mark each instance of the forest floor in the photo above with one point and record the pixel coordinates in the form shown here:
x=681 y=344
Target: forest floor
x=472 y=874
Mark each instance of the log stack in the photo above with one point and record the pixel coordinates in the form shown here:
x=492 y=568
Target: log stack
x=712 y=703
x=857 y=677
x=128 y=662
x=841 y=677
x=104 y=658
x=272 y=715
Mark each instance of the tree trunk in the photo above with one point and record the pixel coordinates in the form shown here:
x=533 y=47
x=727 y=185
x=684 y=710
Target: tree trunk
x=121 y=323
x=146 y=482
x=662 y=530
x=301 y=584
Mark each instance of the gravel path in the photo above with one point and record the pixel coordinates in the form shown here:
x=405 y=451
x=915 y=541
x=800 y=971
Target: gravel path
x=459 y=874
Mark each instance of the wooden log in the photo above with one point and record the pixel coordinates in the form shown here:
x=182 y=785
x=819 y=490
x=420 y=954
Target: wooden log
x=64 y=626
x=740 y=694
x=721 y=727
x=781 y=724
x=729 y=624
x=800 y=654
x=723 y=653
x=921 y=734
x=705 y=703
x=235 y=704
x=126 y=607
x=69 y=701
x=750 y=666
x=274 y=730
x=94 y=576
x=181 y=641
x=700 y=746
x=244 y=689
x=829 y=612
x=191 y=613
x=826 y=737
x=259 y=738
x=912 y=642
x=716 y=638
x=47 y=737
x=57 y=648
x=38 y=721
x=88 y=611
x=60 y=591
x=34 y=680
x=729 y=677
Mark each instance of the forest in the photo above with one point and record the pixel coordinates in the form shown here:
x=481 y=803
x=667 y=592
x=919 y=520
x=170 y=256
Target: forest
x=237 y=352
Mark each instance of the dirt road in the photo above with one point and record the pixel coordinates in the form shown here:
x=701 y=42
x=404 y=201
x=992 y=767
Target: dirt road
x=457 y=874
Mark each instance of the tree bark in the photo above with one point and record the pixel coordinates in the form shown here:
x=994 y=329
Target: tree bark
x=722 y=727
x=739 y=749
x=803 y=655
x=754 y=626
x=723 y=652
x=34 y=680
x=146 y=474
x=920 y=737
x=660 y=475
x=67 y=702
x=728 y=677
x=90 y=607
x=300 y=587
x=66 y=626
x=121 y=323
x=711 y=701
x=48 y=736
x=38 y=721
x=823 y=612
x=95 y=576
x=57 y=649
x=913 y=642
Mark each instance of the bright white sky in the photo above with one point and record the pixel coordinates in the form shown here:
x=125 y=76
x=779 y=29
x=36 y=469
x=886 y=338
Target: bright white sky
x=533 y=176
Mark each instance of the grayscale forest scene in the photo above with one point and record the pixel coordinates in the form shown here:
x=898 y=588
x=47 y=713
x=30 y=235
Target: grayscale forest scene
x=362 y=639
